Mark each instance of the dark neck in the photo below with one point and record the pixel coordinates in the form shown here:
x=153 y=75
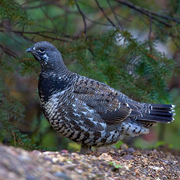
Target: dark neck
x=56 y=66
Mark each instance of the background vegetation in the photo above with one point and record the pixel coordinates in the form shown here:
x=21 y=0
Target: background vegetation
x=132 y=46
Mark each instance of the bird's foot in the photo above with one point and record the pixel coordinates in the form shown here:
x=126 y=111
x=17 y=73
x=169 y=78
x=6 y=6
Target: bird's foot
x=85 y=149
x=128 y=151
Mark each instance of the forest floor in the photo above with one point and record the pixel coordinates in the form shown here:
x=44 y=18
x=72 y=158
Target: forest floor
x=16 y=163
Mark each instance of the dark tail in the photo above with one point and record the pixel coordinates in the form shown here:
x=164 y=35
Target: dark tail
x=162 y=113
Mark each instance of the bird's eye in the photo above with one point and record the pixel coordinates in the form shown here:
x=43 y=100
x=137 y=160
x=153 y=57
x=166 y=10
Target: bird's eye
x=41 y=49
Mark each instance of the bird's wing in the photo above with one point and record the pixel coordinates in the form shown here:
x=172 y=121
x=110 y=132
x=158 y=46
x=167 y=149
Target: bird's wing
x=110 y=104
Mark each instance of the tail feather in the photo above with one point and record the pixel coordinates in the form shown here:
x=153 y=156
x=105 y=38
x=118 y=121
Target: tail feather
x=162 y=106
x=162 y=113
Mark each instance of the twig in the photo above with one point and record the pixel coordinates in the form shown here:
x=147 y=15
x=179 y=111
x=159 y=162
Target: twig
x=115 y=15
x=40 y=33
x=38 y=6
x=102 y=10
x=148 y=13
x=8 y=51
x=37 y=32
x=97 y=22
x=53 y=38
x=175 y=43
x=84 y=19
x=14 y=136
x=149 y=36
x=46 y=14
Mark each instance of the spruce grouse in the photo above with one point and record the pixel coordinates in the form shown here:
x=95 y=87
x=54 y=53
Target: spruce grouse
x=87 y=111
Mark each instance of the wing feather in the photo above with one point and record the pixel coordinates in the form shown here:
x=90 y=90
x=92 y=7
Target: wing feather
x=105 y=100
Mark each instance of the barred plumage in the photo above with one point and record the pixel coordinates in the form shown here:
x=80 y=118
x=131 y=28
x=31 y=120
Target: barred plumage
x=87 y=111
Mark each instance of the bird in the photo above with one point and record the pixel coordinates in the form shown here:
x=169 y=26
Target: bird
x=87 y=111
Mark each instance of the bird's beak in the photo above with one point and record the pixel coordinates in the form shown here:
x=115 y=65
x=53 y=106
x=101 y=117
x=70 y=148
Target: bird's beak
x=29 y=50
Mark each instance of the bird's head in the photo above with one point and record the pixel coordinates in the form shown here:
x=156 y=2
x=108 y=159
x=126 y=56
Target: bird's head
x=44 y=52
x=48 y=56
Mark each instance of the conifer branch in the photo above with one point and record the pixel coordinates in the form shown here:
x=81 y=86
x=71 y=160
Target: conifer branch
x=148 y=13
x=41 y=33
x=38 y=6
x=37 y=32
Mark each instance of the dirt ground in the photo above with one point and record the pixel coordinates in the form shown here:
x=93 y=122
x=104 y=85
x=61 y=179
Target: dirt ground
x=16 y=163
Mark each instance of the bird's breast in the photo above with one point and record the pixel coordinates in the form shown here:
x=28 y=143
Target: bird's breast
x=48 y=86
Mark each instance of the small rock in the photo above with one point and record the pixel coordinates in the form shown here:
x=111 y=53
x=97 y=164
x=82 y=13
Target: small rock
x=62 y=175
x=105 y=156
x=156 y=168
x=128 y=157
x=80 y=171
x=123 y=146
x=54 y=160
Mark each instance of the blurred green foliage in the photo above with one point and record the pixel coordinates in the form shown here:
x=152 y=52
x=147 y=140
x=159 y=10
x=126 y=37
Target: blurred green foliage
x=96 y=39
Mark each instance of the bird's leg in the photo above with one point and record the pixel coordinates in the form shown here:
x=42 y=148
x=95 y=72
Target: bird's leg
x=85 y=149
